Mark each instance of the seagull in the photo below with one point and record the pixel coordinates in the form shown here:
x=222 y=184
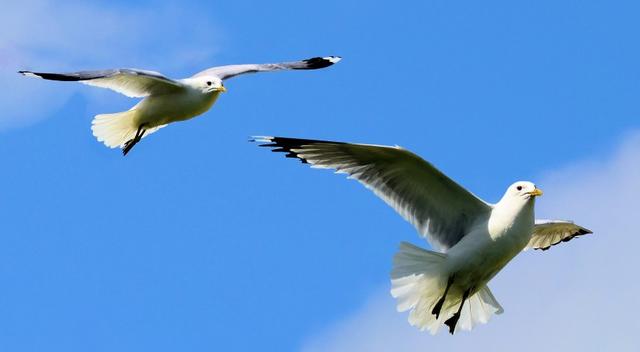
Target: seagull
x=475 y=239
x=165 y=100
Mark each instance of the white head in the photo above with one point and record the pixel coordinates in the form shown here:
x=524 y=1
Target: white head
x=523 y=191
x=207 y=84
x=517 y=203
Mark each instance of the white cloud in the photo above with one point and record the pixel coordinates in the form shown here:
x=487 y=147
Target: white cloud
x=579 y=295
x=71 y=35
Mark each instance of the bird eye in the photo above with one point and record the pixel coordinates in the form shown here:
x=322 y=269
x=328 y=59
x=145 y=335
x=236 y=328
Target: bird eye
x=208 y=83
x=519 y=188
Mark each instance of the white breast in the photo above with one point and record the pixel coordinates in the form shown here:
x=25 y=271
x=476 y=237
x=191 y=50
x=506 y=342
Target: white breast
x=491 y=245
x=164 y=109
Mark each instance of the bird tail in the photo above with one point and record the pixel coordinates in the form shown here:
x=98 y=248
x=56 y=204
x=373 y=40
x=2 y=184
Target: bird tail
x=114 y=130
x=419 y=280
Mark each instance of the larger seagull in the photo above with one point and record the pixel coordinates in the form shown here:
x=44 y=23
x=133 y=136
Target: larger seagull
x=165 y=100
x=476 y=239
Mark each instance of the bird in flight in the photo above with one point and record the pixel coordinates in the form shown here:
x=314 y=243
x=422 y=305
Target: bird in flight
x=165 y=100
x=475 y=239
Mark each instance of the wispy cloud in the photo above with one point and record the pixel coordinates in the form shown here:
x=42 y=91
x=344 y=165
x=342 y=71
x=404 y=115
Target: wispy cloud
x=72 y=35
x=579 y=295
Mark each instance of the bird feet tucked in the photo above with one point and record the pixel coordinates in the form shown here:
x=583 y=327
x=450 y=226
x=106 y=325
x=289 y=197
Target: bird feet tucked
x=452 y=322
x=438 y=307
x=128 y=145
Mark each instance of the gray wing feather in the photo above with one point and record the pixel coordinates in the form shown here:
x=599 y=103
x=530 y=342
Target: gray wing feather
x=229 y=71
x=439 y=208
x=130 y=82
x=547 y=233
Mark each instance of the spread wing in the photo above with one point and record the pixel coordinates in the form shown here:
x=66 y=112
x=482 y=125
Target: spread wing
x=130 y=82
x=547 y=233
x=229 y=71
x=440 y=209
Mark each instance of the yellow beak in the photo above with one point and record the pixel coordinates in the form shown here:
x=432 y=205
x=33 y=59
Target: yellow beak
x=222 y=89
x=536 y=192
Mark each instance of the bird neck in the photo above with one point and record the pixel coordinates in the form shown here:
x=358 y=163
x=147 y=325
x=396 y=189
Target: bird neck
x=510 y=213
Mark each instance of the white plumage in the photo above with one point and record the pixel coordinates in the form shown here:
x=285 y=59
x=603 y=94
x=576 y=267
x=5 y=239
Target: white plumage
x=476 y=239
x=165 y=100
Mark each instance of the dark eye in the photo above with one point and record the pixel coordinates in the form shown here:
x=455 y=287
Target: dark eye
x=208 y=83
x=519 y=188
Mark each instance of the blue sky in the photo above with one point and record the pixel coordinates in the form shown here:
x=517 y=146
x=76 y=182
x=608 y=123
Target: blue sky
x=199 y=240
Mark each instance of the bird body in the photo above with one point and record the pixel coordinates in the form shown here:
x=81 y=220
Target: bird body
x=489 y=246
x=491 y=243
x=476 y=239
x=161 y=110
x=165 y=100
x=195 y=97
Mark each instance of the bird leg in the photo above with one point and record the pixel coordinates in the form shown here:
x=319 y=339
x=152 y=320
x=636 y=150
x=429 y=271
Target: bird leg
x=128 y=145
x=436 y=309
x=453 y=321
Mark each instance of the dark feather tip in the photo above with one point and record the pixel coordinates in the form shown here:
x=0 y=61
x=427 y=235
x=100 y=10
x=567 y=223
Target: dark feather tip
x=320 y=62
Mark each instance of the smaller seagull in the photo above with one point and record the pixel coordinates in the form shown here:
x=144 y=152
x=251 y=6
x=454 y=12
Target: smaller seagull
x=165 y=100
x=476 y=239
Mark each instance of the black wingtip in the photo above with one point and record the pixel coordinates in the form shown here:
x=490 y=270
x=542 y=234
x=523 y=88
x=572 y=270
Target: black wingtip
x=283 y=145
x=28 y=73
x=320 y=62
x=54 y=76
x=577 y=234
x=287 y=145
x=584 y=232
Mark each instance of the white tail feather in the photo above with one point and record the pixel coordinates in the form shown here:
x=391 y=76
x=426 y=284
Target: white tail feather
x=114 y=130
x=418 y=281
x=478 y=309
